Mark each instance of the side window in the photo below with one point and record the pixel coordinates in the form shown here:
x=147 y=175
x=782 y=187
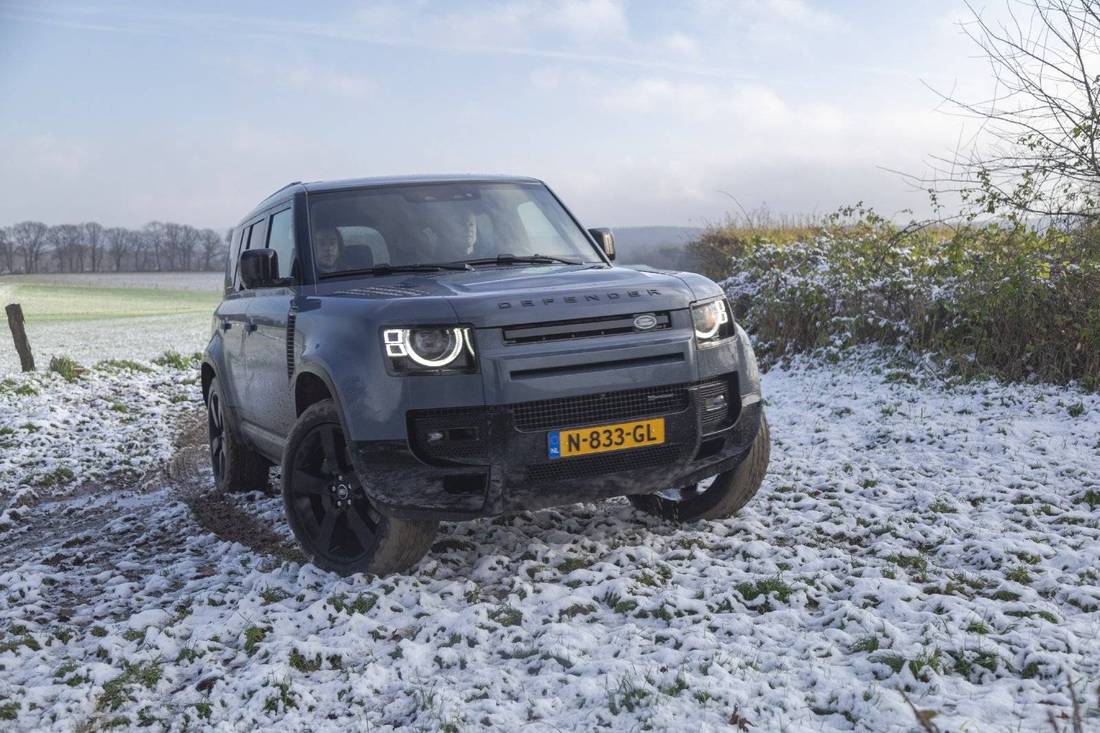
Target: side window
x=231 y=254
x=281 y=239
x=258 y=238
x=239 y=246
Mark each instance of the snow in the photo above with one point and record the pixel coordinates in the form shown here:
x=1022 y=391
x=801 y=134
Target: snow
x=913 y=537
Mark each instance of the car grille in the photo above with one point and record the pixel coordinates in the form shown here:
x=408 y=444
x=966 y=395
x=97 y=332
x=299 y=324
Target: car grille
x=575 y=468
x=583 y=328
x=597 y=408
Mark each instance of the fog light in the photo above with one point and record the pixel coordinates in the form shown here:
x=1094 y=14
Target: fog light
x=435 y=436
x=714 y=402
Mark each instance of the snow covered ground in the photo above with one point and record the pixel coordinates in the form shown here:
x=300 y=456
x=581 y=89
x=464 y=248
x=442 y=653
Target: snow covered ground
x=941 y=542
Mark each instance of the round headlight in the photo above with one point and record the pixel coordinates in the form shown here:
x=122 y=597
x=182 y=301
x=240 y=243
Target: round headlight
x=708 y=319
x=435 y=347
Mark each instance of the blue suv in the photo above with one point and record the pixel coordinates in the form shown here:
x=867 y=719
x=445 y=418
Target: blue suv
x=410 y=350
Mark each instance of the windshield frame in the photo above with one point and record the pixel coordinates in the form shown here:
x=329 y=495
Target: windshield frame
x=317 y=276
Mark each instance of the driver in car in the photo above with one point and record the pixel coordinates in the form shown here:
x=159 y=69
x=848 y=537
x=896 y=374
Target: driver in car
x=328 y=246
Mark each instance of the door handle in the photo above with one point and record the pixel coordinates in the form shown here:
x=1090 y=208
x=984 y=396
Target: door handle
x=226 y=324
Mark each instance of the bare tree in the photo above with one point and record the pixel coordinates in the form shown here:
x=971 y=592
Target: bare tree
x=66 y=240
x=29 y=238
x=151 y=245
x=118 y=243
x=211 y=244
x=93 y=239
x=1036 y=153
x=7 y=251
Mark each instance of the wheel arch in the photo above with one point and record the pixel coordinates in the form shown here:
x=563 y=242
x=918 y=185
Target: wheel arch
x=313 y=383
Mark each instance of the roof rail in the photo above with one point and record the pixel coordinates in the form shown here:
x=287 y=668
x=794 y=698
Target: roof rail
x=292 y=183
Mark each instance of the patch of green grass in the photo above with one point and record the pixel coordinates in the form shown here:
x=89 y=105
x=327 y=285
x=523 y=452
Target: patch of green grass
x=1092 y=498
x=203 y=710
x=1005 y=595
x=9 y=710
x=866 y=644
x=627 y=696
x=12 y=386
x=174 y=360
x=283 y=697
x=303 y=663
x=119 y=407
x=98 y=631
x=253 y=636
x=570 y=564
x=577 y=609
x=146 y=674
x=911 y=562
x=273 y=595
x=66 y=368
x=123 y=365
x=891 y=660
x=1019 y=575
x=55 y=303
x=506 y=616
x=363 y=603
x=1076 y=409
x=978 y=627
x=25 y=640
x=57 y=477
x=769 y=588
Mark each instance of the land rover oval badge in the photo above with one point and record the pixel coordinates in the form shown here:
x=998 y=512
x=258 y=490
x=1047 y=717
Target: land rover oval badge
x=645 y=321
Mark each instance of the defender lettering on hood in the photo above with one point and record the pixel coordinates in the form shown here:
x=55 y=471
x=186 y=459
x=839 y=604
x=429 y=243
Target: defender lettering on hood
x=589 y=298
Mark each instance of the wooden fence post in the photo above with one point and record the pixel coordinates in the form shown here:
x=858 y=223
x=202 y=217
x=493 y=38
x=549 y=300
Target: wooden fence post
x=19 y=333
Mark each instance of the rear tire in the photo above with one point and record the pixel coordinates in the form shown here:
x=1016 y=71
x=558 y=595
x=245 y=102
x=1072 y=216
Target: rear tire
x=334 y=521
x=725 y=496
x=236 y=466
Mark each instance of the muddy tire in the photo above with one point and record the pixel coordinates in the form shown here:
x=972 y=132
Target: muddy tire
x=724 y=497
x=337 y=526
x=236 y=467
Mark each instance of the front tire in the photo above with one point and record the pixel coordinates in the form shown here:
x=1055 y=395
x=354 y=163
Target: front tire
x=726 y=494
x=334 y=521
x=236 y=467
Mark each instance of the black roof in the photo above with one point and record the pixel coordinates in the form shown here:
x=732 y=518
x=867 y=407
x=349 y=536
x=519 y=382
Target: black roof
x=348 y=183
x=318 y=186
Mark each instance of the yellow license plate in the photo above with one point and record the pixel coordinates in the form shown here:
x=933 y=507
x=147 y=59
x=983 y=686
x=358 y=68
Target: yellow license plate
x=605 y=438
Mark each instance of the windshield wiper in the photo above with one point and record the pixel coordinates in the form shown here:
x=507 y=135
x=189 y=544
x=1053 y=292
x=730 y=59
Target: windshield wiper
x=508 y=259
x=387 y=269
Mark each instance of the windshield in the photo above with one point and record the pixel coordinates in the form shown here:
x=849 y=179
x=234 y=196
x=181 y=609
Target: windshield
x=441 y=223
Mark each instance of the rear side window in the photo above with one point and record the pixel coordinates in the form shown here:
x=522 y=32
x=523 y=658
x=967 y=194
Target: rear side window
x=240 y=242
x=232 y=253
x=281 y=239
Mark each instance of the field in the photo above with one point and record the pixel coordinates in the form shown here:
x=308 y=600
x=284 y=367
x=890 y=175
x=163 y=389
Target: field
x=916 y=537
x=108 y=316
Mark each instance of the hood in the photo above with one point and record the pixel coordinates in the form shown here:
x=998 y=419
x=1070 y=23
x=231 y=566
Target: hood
x=496 y=296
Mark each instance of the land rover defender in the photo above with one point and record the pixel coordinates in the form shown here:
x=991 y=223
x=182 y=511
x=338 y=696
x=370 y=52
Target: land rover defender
x=416 y=349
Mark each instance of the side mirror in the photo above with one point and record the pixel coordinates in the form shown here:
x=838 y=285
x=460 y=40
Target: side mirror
x=259 y=268
x=606 y=240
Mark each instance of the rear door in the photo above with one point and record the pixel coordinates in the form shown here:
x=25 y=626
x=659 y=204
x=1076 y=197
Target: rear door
x=269 y=339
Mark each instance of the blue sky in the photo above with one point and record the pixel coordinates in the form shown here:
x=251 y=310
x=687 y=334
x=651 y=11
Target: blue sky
x=635 y=112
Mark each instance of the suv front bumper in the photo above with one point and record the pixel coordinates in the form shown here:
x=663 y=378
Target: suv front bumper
x=462 y=463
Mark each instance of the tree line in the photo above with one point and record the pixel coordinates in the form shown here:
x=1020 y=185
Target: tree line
x=31 y=247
